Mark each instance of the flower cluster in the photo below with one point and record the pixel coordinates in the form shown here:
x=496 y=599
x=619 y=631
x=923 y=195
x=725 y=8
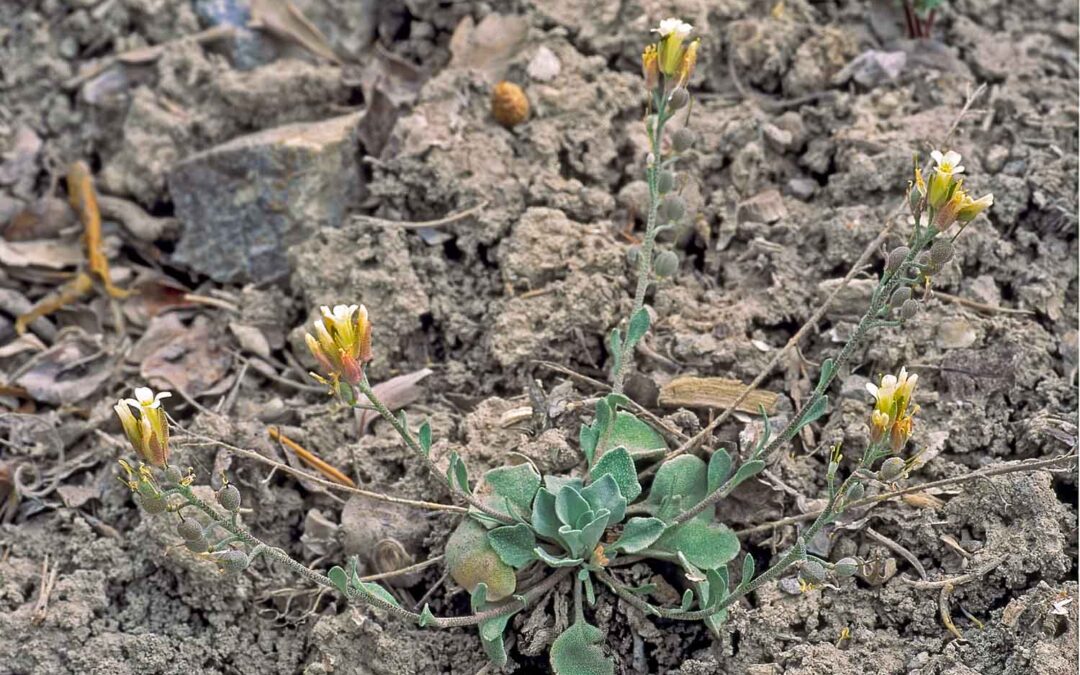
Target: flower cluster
x=945 y=194
x=893 y=412
x=341 y=344
x=668 y=64
x=149 y=432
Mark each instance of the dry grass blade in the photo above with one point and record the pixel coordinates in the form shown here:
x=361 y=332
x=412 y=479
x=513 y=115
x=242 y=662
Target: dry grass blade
x=310 y=458
x=714 y=392
x=282 y=18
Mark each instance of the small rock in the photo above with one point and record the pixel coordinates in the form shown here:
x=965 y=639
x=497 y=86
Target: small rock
x=996 y=157
x=790 y=586
x=802 y=188
x=245 y=203
x=873 y=68
x=544 y=66
x=779 y=139
x=765 y=207
x=955 y=333
x=1015 y=168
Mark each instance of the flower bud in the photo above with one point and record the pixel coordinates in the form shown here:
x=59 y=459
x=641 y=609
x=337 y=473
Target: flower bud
x=665 y=182
x=846 y=567
x=666 y=264
x=941 y=252
x=678 y=99
x=896 y=258
x=149 y=432
x=229 y=498
x=342 y=343
x=682 y=139
x=891 y=469
x=200 y=545
x=909 y=309
x=190 y=530
x=673 y=208
x=233 y=561
x=812 y=572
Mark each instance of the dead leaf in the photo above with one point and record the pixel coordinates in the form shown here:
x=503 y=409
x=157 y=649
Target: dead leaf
x=27 y=342
x=44 y=218
x=75 y=496
x=489 y=46
x=713 y=392
x=395 y=393
x=52 y=254
x=283 y=19
x=922 y=500
x=174 y=355
x=71 y=371
x=251 y=339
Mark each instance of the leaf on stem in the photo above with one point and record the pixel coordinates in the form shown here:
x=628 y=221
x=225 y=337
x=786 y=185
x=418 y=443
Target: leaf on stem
x=517 y=485
x=514 y=544
x=577 y=651
x=424 y=436
x=719 y=469
x=639 y=534
x=618 y=464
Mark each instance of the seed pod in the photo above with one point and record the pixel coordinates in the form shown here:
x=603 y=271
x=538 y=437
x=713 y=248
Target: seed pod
x=632 y=254
x=909 y=309
x=666 y=264
x=199 y=545
x=941 y=252
x=812 y=572
x=891 y=469
x=233 y=561
x=229 y=498
x=673 y=208
x=665 y=182
x=682 y=139
x=509 y=105
x=678 y=99
x=173 y=475
x=153 y=505
x=855 y=492
x=190 y=530
x=900 y=296
x=896 y=257
x=846 y=567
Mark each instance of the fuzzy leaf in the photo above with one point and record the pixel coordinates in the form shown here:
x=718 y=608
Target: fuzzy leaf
x=340 y=579
x=374 y=590
x=827 y=370
x=618 y=464
x=570 y=505
x=639 y=534
x=491 y=630
x=458 y=474
x=544 y=519
x=617 y=401
x=679 y=484
x=591 y=533
x=424 y=436
x=556 y=483
x=746 y=471
x=472 y=561
x=577 y=651
x=747 y=570
x=639 y=325
x=516 y=484
x=586 y=581
x=641 y=440
x=814 y=413
x=426 y=617
x=587 y=439
x=553 y=561
x=719 y=469
x=573 y=541
x=705 y=545
x=687 y=600
x=615 y=343
x=514 y=544
x=604 y=493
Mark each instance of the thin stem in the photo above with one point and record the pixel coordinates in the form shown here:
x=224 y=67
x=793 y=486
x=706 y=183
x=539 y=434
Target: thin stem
x=365 y=388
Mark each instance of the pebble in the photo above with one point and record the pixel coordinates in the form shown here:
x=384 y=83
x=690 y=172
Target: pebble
x=955 y=333
x=764 y=207
x=544 y=66
x=802 y=188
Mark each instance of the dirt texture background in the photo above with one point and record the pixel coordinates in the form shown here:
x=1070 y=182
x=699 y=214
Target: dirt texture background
x=246 y=180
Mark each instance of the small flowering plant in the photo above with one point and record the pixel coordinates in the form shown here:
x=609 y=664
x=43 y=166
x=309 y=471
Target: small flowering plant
x=634 y=498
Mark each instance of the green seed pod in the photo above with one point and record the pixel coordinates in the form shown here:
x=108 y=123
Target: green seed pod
x=900 y=296
x=190 y=530
x=846 y=567
x=673 y=208
x=678 y=99
x=153 y=505
x=855 y=492
x=909 y=309
x=891 y=469
x=666 y=264
x=665 y=182
x=682 y=139
x=895 y=258
x=941 y=252
x=200 y=545
x=229 y=498
x=632 y=254
x=172 y=475
x=812 y=572
x=233 y=561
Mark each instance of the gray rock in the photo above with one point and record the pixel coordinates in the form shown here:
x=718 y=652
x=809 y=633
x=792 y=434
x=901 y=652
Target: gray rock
x=802 y=188
x=244 y=203
x=764 y=207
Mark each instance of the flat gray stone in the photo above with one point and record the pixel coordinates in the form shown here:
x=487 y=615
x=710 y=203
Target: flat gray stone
x=244 y=203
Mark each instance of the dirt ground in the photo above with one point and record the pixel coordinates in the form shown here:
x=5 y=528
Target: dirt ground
x=247 y=179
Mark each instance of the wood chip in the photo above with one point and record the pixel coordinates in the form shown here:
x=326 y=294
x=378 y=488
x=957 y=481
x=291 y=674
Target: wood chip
x=714 y=392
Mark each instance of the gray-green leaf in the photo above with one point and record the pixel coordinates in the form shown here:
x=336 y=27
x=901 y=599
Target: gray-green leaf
x=514 y=544
x=516 y=484
x=577 y=651
x=618 y=464
x=639 y=534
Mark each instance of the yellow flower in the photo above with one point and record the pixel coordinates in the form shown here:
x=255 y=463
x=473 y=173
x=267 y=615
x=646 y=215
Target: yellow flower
x=946 y=169
x=969 y=208
x=920 y=184
x=149 y=432
x=649 y=69
x=891 y=410
x=950 y=209
x=673 y=33
x=687 y=63
x=879 y=425
x=342 y=342
x=948 y=163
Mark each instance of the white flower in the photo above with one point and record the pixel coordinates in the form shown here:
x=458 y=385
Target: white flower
x=949 y=163
x=145 y=398
x=673 y=26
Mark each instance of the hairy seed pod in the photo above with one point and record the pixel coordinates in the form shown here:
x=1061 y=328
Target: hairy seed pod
x=509 y=105
x=233 y=561
x=941 y=252
x=666 y=264
x=891 y=469
x=632 y=255
x=846 y=567
x=229 y=498
x=896 y=258
x=682 y=139
x=673 y=208
x=172 y=475
x=900 y=296
x=909 y=309
x=153 y=505
x=855 y=492
x=678 y=99
x=200 y=545
x=190 y=530
x=665 y=182
x=812 y=572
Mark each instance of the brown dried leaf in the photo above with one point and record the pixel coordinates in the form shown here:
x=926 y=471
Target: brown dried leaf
x=922 y=500
x=52 y=254
x=489 y=46
x=173 y=355
x=713 y=392
x=71 y=371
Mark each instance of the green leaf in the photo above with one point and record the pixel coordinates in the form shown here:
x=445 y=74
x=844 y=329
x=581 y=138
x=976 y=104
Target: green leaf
x=570 y=505
x=747 y=570
x=587 y=439
x=374 y=590
x=577 y=651
x=458 y=474
x=586 y=581
x=591 y=533
x=641 y=440
x=827 y=370
x=615 y=342
x=605 y=494
x=618 y=464
x=679 y=484
x=705 y=545
x=643 y=589
x=425 y=438
x=516 y=484
x=544 y=519
x=719 y=469
x=339 y=579
x=514 y=544
x=687 y=600
x=746 y=471
x=426 y=617
x=573 y=541
x=617 y=401
x=816 y=410
x=553 y=561
x=556 y=483
x=639 y=325
x=639 y=534
x=491 y=630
